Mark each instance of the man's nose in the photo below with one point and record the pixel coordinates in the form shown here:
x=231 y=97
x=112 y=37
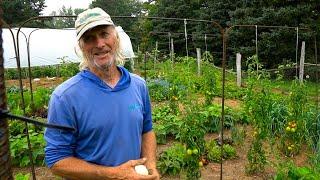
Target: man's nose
x=100 y=42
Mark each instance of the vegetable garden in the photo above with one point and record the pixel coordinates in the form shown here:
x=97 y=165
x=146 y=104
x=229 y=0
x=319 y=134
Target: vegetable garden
x=207 y=127
x=272 y=124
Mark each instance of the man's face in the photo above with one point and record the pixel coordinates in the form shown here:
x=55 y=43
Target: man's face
x=99 y=45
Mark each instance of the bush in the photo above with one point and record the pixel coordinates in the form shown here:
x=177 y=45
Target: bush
x=171 y=161
x=214 y=151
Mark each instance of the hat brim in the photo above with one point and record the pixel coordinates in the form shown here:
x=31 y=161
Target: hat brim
x=92 y=25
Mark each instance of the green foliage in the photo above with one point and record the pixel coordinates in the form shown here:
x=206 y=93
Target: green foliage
x=298 y=100
x=191 y=133
x=67 y=68
x=212 y=116
x=158 y=89
x=303 y=173
x=313 y=132
x=214 y=151
x=18 y=11
x=38 y=108
x=228 y=151
x=21 y=176
x=131 y=8
x=19 y=149
x=275 y=45
x=166 y=123
x=171 y=161
x=267 y=112
x=256 y=157
x=280 y=13
x=60 y=23
x=290 y=171
x=238 y=135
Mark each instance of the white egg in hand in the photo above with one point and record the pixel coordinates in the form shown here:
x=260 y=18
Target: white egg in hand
x=141 y=169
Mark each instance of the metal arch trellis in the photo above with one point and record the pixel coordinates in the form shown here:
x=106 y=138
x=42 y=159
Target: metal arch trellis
x=223 y=31
x=170 y=34
x=4 y=113
x=3 y=110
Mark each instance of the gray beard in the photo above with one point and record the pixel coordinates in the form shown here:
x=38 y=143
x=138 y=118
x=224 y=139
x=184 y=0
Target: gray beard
x=104 y=67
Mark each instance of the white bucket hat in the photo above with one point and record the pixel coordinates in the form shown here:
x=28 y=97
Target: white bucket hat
x=91 y=18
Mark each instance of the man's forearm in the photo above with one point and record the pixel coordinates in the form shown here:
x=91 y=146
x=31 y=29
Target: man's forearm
x=149 y=147
x=73 y=168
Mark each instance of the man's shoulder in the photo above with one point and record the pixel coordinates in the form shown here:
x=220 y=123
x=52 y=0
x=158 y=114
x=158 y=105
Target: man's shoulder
x=68 y=86
x=137 y=78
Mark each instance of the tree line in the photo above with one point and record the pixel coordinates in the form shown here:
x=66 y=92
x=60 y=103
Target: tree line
x=275 y=45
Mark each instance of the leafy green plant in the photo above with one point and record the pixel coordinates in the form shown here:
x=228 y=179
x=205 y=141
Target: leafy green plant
x=212 y=116
x=302 y=173
x=21 y=176
x=159 y=89
x=214 y=151
x=256 y=156
x=166 y=123
x=67 y=68
x=238 y=134
x=171 y=161
x=290 y=171
x=19 y=149
x=228 y=151
x=191 y=133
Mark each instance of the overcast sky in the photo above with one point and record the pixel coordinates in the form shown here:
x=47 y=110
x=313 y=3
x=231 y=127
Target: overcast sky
x=55 y=5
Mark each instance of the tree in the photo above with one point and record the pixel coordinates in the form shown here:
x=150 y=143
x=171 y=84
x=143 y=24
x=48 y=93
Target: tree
x=161 y=28
x=17 y=11
x=133 y=8
x=275 y=45
x=120 y=8
x=65 y=22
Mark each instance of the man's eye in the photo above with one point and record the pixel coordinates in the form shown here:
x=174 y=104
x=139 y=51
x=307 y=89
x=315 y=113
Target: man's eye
x=88 y=39
x=105 y=34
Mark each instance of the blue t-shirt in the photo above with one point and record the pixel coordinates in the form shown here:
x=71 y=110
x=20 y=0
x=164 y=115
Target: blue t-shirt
x=109 y=122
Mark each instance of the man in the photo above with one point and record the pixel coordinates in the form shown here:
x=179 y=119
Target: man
x=109 y=108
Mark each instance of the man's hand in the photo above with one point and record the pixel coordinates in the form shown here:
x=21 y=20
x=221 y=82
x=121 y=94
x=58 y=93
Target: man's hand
x=154 y=172
x=127 y=171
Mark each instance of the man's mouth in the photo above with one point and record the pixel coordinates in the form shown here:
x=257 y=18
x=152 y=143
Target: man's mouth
x=101 y=53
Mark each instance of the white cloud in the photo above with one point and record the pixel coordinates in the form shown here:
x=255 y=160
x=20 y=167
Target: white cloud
x=55 y=5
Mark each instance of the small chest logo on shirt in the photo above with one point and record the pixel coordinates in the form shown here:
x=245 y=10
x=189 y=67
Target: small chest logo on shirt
x=134 y=107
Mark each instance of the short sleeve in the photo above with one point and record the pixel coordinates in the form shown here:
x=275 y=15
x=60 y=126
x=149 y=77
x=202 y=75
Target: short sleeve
x=60 y=143
x=147 y=116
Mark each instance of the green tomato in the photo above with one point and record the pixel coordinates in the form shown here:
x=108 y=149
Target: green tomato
x=195 y=151
x=200 y=163
x=288 y=128
x=189 y=151
x=293 y=130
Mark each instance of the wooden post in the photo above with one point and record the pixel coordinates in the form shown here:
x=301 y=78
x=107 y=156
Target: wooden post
x=5 y=165
x=155 y=55
x=199 y=60
x=172 y=51
x=302 y=57
x=238 y=62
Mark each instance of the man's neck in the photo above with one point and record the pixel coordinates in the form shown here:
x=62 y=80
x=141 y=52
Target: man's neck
x=110 y=76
